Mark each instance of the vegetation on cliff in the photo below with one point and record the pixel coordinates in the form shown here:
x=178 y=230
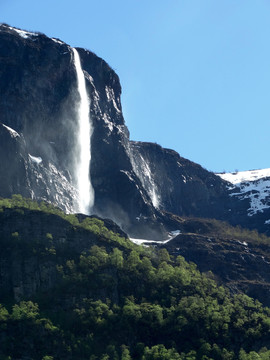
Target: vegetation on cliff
x=115 y=300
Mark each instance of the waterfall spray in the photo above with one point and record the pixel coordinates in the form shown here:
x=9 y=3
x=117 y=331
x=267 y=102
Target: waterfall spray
x=86 y=191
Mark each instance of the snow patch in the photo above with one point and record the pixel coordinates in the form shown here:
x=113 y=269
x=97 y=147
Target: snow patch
x=242 y=243
x=24 y=34
x=144 y=242
x=12 y=132
x=175 y=233
x=35 y=159
x=58 y=41
x=257 y=192
x=244 y=176
x=253 y=185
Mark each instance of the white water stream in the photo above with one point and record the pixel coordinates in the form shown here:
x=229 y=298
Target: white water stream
x=85 y=188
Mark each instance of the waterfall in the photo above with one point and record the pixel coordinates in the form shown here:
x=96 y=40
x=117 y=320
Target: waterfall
x=147 y=180
x=143 y=171
x=82 y=170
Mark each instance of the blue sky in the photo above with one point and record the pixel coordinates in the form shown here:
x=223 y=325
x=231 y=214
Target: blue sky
x=195 y=74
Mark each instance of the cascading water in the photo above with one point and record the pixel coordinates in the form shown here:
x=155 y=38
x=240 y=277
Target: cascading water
x=85 y=188
x=143 y=171
x=146 y=178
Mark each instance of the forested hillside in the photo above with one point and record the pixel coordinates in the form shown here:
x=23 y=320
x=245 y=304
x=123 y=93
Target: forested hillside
x=111 y=299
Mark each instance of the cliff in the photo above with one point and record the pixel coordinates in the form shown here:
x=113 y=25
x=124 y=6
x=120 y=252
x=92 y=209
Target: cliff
x=38 y=104
x=133 y=182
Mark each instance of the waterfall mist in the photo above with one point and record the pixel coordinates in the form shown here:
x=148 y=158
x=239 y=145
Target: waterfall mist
x=82 y=168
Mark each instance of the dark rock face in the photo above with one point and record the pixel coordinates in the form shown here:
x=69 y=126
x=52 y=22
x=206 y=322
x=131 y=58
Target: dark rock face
x=35 y=84
x=36 y=80
x=181 y=186
x=133 y=181
x=31 y=266
x=118 y=192
x=28 y=175
x=13 y=170
x=38 y=101
x=239 y=265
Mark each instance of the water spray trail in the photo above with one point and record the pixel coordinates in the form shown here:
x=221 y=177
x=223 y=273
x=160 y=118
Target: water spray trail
x=85 y=188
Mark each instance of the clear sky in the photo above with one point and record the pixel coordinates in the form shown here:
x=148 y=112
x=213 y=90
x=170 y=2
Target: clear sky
x=195 y=74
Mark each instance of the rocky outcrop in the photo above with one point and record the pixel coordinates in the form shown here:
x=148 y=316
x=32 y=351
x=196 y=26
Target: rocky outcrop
x=182 y=187
x=178 y=185
x=241 y=266
x=33 y=243
x=236 y=258
x=30 y=175
x=251 y=187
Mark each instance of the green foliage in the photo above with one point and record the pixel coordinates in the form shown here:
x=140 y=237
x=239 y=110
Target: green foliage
x=94 y=225
x=116 y=258
x=25 y=310
x=49 y=236
x=161 y=304
x=3 y=313
x=15 y=235
x=263 y=354
x=159 y=352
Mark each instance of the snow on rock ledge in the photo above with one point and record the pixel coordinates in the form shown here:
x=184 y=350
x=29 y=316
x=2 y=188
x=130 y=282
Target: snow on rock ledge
x=244 y=176
x=253 y=185
x=146 y=242
x=35 y=159
x=12 y=132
